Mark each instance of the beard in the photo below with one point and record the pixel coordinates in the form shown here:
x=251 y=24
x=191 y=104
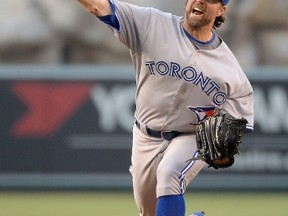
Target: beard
x=197 y=23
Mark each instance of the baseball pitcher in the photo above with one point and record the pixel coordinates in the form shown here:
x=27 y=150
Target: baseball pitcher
x=193 y=101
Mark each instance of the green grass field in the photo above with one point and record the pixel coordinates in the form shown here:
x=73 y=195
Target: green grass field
x=122 y=204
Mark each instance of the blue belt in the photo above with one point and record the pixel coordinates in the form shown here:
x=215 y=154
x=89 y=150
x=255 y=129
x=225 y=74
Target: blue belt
x=168 y=135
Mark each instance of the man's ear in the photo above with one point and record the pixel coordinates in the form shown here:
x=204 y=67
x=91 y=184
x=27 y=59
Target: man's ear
x=222 y=11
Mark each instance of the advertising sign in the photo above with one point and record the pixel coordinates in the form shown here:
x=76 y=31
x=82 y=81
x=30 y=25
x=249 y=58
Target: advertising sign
x=76 y=121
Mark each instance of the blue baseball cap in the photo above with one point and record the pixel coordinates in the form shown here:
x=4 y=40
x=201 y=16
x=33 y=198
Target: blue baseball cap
x=225 y=2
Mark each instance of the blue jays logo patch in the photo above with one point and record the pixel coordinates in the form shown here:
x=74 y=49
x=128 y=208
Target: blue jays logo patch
x=202 y=112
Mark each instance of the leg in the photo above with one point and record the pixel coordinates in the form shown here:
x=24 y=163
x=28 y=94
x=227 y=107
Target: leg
x=174 y=174
x=146 y=155
x=171 y=205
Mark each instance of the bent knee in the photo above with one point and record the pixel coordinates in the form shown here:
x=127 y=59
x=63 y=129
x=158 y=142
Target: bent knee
x=168 y=182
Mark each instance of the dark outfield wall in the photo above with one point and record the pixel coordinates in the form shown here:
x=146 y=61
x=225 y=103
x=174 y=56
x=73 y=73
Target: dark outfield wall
x=70 y=126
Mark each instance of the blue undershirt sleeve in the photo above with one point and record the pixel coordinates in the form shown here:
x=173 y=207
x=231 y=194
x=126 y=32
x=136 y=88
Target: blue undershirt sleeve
x=111 y=19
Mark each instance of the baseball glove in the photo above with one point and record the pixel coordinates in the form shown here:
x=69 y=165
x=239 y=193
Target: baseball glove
x=218 y=139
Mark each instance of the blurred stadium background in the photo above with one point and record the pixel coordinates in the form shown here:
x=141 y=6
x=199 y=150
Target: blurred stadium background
x=67 y=92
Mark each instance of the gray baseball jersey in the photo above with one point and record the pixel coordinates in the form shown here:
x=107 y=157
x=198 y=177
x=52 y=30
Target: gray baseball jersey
x=175 y=80
x=179 y=83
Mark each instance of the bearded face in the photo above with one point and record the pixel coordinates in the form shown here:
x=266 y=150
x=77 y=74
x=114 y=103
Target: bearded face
x=201 y=13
